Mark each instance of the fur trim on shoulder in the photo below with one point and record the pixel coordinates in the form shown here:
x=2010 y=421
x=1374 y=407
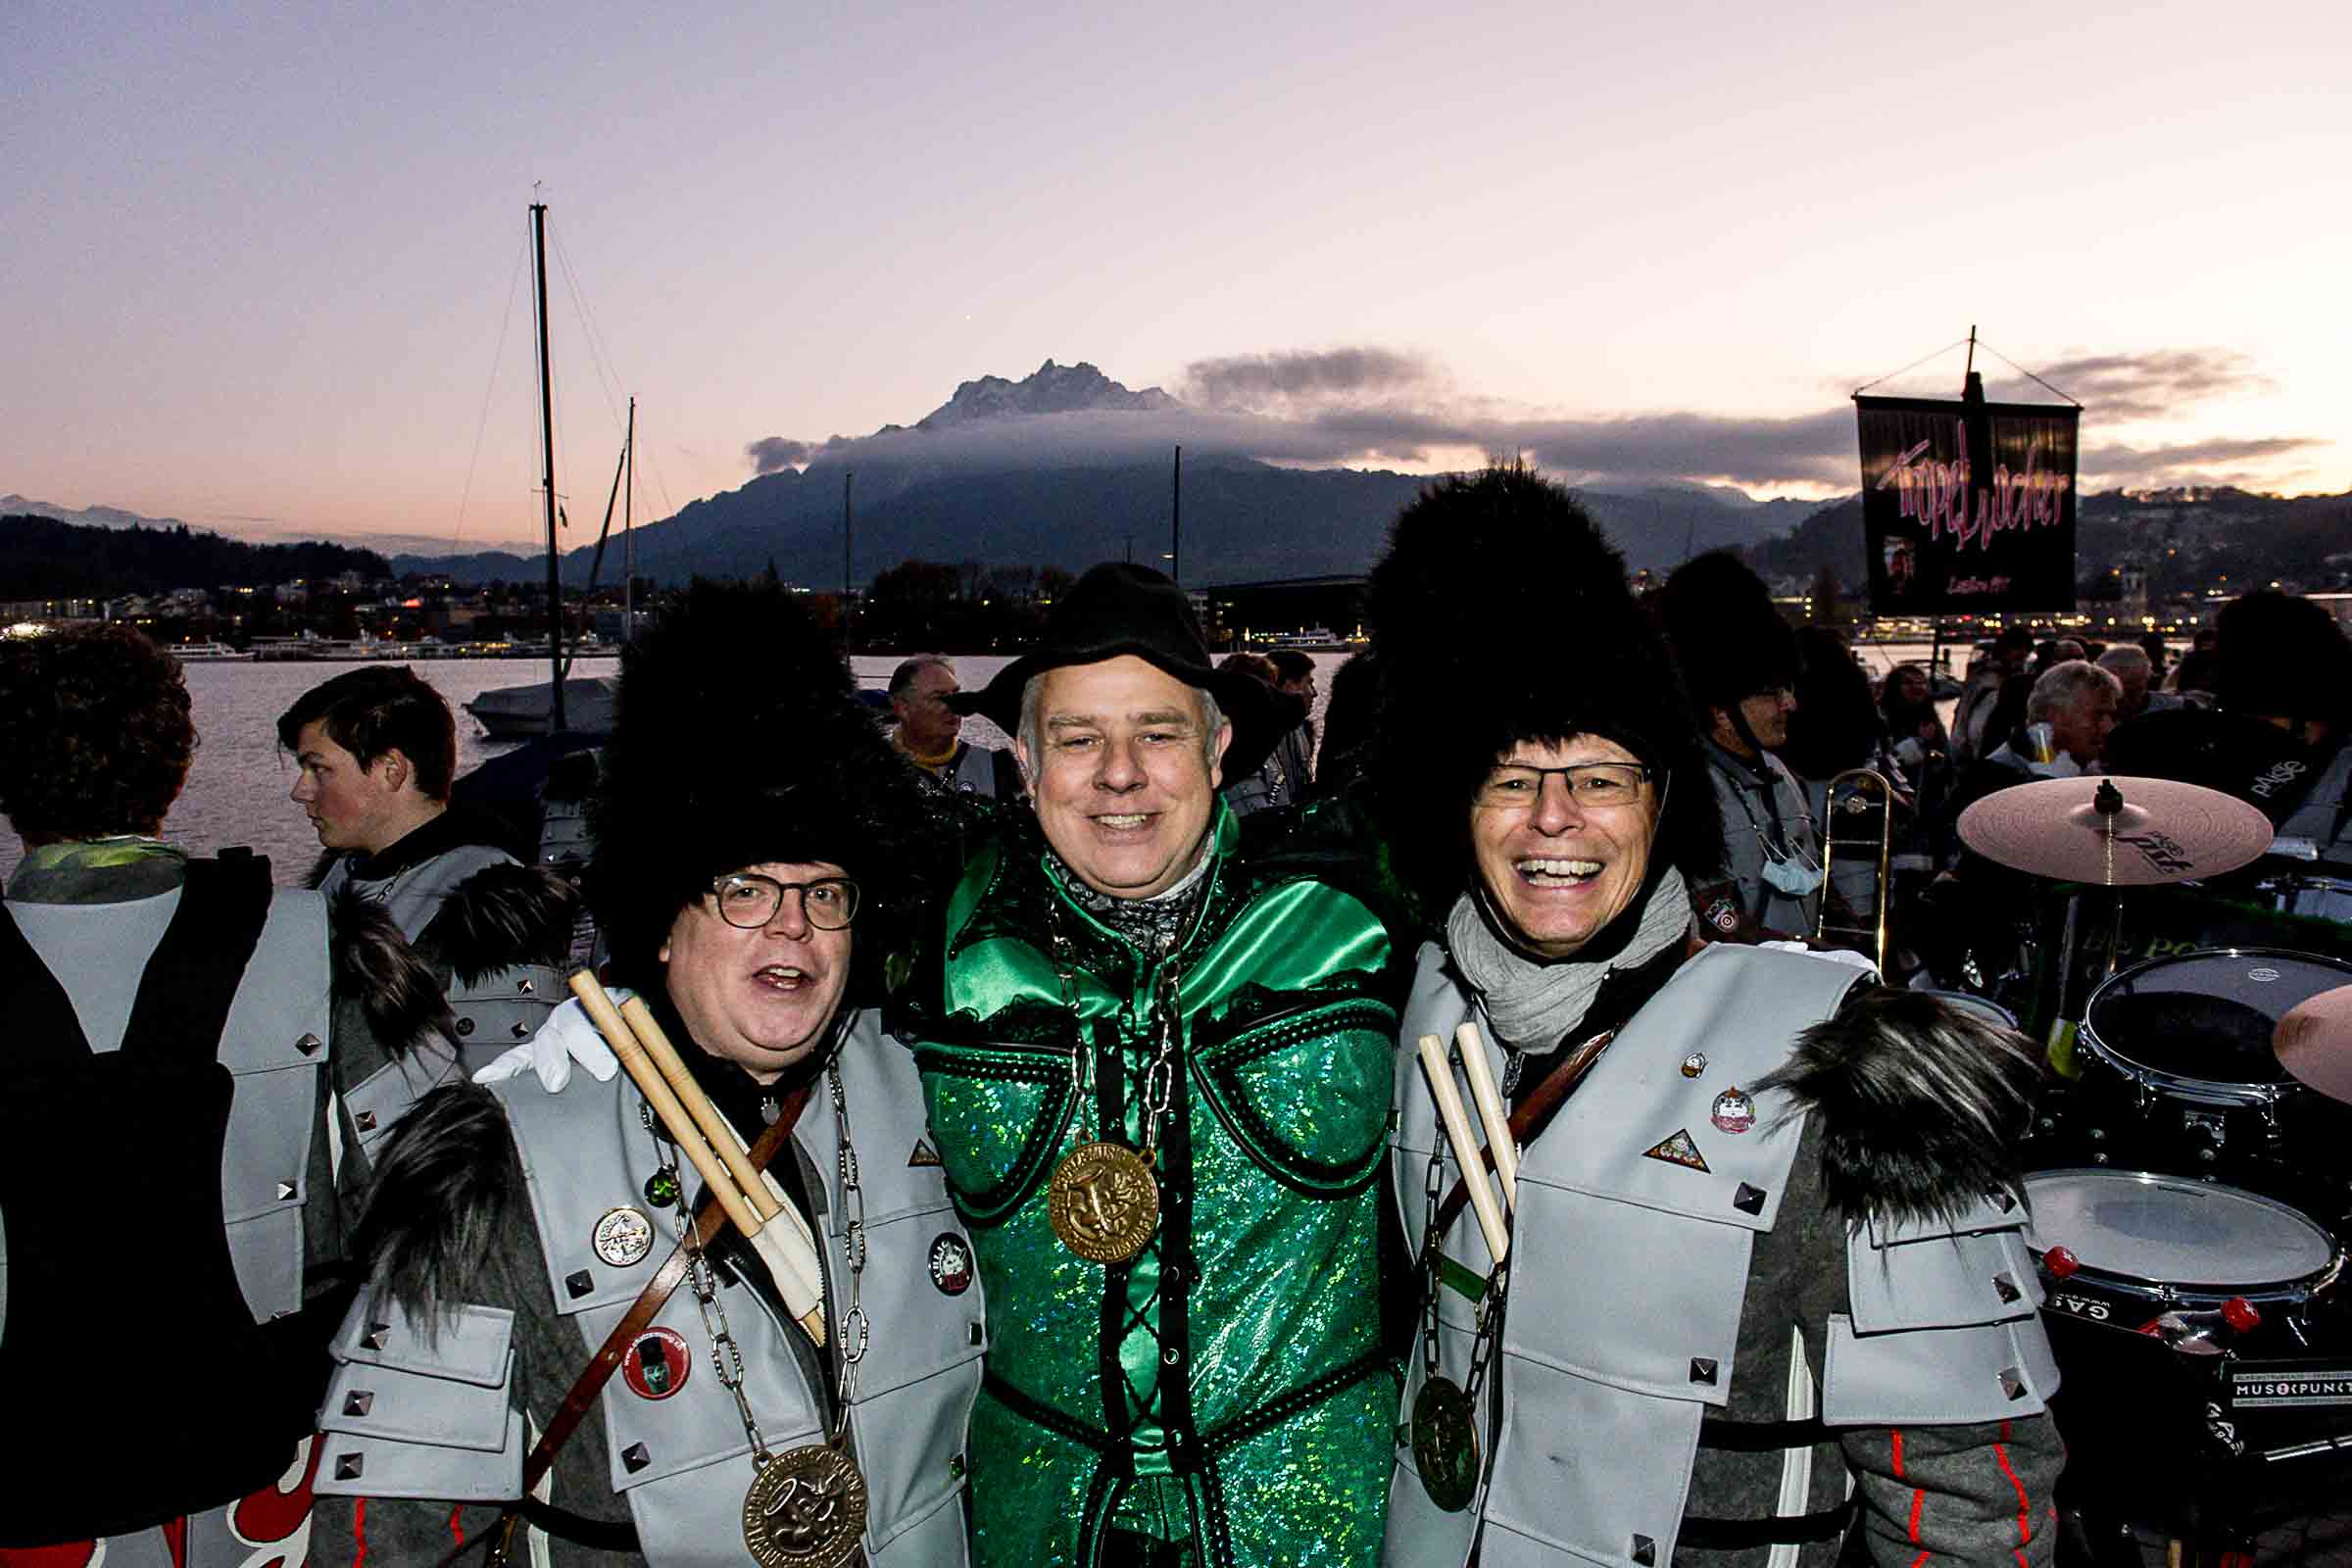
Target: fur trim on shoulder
x=500 y=917
x=1920 y=1104
x=444 y=1182
x=377 y=970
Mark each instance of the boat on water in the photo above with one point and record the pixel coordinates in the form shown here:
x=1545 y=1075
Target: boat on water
x=208 y=654
x=517 y=712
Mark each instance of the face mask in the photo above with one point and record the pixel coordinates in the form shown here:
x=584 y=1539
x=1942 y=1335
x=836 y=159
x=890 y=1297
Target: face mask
x=1792 y=877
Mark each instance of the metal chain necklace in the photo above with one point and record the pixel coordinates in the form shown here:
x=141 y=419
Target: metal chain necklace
x=1445 y=1412
x=1104 y=1199
x=805 y=1507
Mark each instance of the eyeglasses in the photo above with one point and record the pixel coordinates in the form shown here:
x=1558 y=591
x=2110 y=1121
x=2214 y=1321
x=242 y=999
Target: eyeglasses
x=1594 y=784
x=748 y=900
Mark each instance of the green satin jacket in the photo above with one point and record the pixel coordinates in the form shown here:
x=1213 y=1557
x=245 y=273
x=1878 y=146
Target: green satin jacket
x=1228 y=1386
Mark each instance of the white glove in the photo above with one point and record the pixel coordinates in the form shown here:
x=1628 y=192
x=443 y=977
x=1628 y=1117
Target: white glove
x=1860 y=961
x=566 y=1038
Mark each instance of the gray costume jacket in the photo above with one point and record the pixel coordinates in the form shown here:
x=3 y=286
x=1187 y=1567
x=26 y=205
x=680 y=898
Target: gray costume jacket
x=507 y=1197
x=1675 y=1266
x=492 y=929
x=194 y=1044
x=1764 y=824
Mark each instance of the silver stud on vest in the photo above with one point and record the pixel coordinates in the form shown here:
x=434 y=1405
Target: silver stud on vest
x=309 y=1044
x=2013 y=1383
x=1748 y=1199
x=635 y=1458
x=349 y=1465
x=1702 y=1370
x=284 y=1189
x=1644 y=1551
x=2006 y=1288
x=364 y=1121
x=579 y=1285
x=377 y=1336
x=357 y=1401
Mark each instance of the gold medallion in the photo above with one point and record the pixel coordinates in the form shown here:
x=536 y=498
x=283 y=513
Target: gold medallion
x=1104 y=1202
x=805 y=1510
x=1445 y=1444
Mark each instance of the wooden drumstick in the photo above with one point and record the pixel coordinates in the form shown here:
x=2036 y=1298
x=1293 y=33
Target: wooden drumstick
x=758 y=1187
x=1456 y=1122
x=664 y=1056
x=795 y=1278
x=1489 y=1110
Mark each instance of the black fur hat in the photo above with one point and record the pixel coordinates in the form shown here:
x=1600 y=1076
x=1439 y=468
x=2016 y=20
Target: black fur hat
x=1728 y=637
x=740 y=739
x=1500 y=613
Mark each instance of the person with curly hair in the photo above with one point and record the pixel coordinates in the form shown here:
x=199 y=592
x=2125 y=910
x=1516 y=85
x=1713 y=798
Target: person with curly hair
x=176 y=1029
x=760 y=873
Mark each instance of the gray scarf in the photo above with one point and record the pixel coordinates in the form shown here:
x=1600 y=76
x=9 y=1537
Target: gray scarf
x=1535 y=1004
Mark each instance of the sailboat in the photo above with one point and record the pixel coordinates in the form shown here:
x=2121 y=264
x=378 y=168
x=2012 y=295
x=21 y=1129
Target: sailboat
x=564 y=705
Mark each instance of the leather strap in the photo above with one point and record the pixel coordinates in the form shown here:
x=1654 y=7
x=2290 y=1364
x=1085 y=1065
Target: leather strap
x=1535 y=1110
x=708 y=1221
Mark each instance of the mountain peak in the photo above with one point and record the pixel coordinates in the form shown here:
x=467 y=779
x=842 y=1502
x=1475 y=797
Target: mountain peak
x=1053 y=389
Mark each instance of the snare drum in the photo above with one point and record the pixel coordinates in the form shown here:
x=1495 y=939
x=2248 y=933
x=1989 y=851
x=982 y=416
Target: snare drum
x=2184 y=1077
x=2149 y=1243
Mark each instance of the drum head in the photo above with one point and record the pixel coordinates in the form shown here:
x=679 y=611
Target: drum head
x=2206 y=1016
x=2169 y=1230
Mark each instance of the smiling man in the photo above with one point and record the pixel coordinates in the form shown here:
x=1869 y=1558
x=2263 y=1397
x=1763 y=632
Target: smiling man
x=1157 y=1064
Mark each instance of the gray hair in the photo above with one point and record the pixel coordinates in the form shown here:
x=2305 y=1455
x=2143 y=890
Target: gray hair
x=1032 y=731
x=2124 y=659
x=2068 y=685
x=902 y=680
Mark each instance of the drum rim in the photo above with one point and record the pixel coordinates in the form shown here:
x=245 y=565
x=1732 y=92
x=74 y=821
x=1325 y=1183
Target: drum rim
x=2300 y=1288
x=2233 y=1091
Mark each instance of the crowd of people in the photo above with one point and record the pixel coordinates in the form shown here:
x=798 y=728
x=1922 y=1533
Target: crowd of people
x=1101 y=1206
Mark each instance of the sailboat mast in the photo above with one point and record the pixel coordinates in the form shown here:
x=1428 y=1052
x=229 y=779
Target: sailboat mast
x=629 y=544
x=546 y=450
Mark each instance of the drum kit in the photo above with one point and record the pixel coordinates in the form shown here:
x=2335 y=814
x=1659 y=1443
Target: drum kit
x=2191 y=1186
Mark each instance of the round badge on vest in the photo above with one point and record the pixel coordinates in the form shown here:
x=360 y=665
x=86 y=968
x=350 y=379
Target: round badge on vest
x=623 y=1237
x=951 y=1263
x=657 y=1365
x=1735 y=1111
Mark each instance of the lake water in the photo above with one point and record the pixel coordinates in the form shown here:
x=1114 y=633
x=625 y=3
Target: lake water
x=237 y=787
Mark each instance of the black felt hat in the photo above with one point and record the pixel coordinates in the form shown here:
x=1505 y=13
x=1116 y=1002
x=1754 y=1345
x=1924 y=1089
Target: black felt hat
x=1119 y=609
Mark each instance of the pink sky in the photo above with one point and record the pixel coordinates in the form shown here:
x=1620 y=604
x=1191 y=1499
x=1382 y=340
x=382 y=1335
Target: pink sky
x=259 y=262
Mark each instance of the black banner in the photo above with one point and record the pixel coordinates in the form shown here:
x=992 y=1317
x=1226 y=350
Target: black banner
x=1967 y=507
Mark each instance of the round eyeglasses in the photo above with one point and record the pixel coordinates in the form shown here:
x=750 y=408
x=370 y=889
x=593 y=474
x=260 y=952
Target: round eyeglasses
x=748 y=900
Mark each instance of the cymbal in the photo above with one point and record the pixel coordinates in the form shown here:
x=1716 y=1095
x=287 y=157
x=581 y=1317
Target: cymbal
x=2314 y=1042
x=2164 y=831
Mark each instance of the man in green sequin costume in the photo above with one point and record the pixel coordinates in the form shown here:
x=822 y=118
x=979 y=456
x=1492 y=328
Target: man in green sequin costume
x=1118 y=968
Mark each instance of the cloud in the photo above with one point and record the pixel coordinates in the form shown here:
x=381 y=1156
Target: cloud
x=2117 y=388
x=772 y=452
x=1371 y=407
x=1306 y=377
x=2216 y=461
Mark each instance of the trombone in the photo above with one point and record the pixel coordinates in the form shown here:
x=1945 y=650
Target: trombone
x=1853 y=799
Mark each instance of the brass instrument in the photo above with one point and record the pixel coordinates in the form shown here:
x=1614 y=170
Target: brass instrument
x=1864 y=792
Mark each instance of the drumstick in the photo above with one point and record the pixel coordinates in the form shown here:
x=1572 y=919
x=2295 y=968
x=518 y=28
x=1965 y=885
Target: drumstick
x=729 y=1148
x=760 y=1188
x=1465 y=1152
x=1489 y=1110
x=794 y=1279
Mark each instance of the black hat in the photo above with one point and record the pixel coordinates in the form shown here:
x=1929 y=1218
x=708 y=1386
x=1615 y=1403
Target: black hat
x=1500 y=614
x=1118 y=609
x=1728 y=637
x=739 y=739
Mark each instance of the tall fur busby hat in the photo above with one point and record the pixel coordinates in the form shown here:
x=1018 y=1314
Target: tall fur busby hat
x=1500 y=614
x=1729 y=639
x=740 y=739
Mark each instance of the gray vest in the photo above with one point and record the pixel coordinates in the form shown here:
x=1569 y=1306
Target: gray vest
x=439 y=1421
x=274 y=1048
x=1629 y=1272
x=498 y=1012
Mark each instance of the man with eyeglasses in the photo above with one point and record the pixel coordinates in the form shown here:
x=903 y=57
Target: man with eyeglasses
x=1739 y=657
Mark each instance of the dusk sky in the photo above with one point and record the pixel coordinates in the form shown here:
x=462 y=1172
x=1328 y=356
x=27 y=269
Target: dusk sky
x=264 y=265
